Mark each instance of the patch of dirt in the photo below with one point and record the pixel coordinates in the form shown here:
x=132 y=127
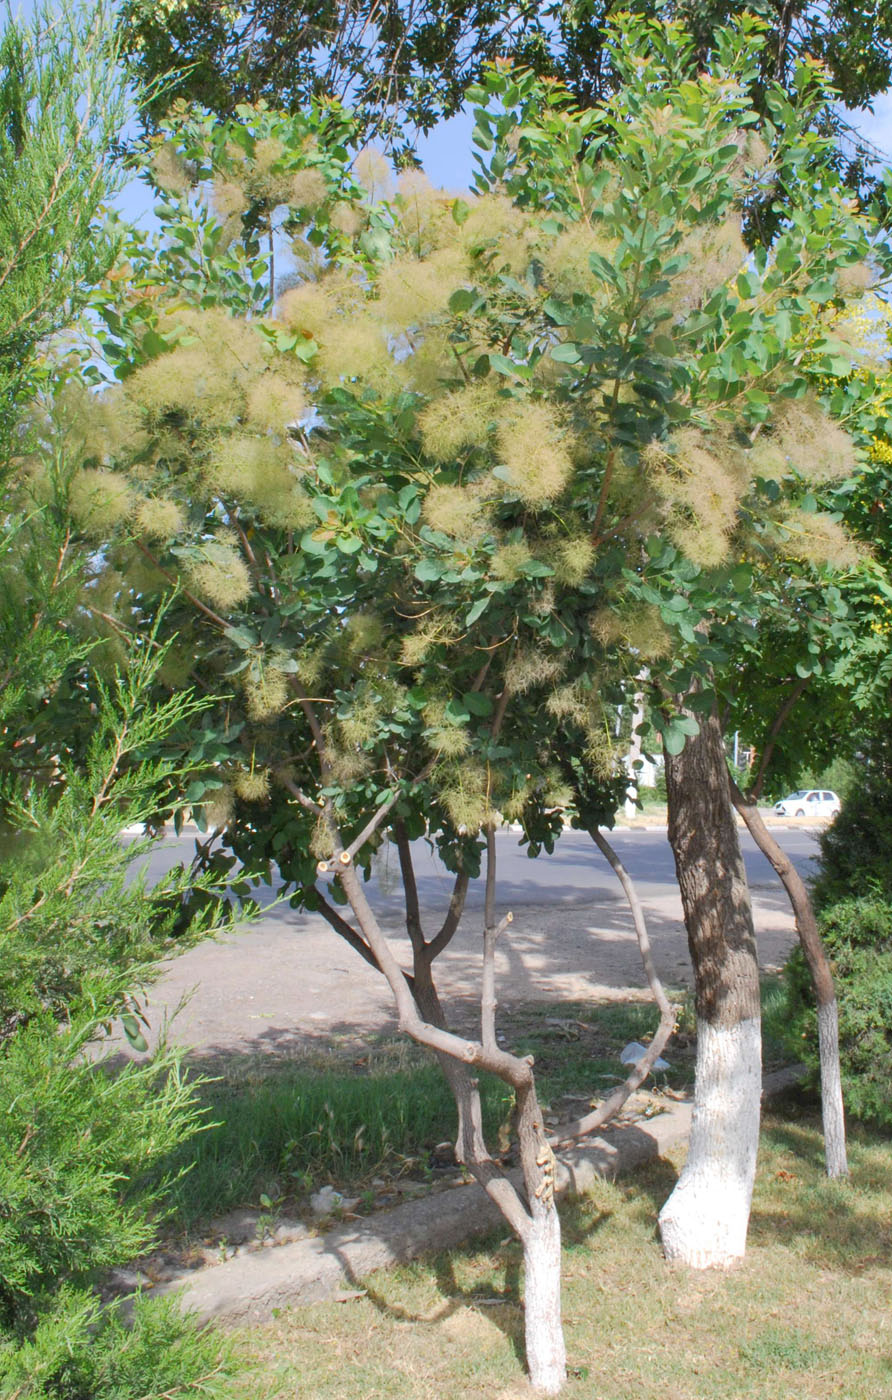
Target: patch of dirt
x=288 y=984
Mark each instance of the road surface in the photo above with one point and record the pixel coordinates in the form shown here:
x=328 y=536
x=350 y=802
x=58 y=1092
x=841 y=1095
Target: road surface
x=287 y=982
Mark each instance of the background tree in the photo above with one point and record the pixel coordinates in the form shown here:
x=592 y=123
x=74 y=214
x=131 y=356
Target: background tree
x=407 y=66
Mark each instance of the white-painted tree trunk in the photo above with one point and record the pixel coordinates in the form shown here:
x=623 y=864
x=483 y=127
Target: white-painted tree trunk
x=832 y=1110
x=544 y=1336
x=704 y=1222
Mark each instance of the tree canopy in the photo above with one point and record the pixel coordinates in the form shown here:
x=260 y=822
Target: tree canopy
x=404 y=66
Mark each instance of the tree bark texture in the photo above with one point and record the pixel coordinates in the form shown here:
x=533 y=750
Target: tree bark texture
x=541 y=1238
x=821 y=979
x=543 y=1328
x=704 y=1222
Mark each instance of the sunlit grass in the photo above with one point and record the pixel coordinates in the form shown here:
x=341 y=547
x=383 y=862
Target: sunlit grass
x=806 y=1316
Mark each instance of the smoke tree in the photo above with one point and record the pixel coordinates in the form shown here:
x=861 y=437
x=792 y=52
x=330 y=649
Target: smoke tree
x=480 y=462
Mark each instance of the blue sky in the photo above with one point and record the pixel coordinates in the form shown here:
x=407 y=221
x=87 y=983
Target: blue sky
x=446 y=154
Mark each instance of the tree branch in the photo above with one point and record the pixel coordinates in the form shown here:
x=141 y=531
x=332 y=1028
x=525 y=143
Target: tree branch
x=778 y=724
x=614 y=1102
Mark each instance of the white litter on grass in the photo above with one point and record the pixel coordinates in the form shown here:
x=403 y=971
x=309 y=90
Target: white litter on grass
x=635 y=1051
x=327 y=1200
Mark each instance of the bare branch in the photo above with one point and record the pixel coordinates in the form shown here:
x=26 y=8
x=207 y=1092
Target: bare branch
x=614 y=1102
x=291 y=786
x=410 y=889
x=780 y=720
x=453 y=916
x=347 y=932
x=488 y=1002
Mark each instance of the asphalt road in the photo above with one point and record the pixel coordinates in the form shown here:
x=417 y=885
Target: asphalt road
x=574 y=872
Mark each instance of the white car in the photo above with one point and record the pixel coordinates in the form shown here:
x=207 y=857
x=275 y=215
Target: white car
x=808 y=802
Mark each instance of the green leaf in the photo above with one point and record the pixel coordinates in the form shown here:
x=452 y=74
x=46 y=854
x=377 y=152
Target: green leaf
x=674 y=739
x=477 y=704
x=457 y=713
x=349 y=544
x=502 y=365
x=537 y=568
x=134 y=1035
x=742 y=578
x=242 y=636
x=428 y=570
x=565 y=354
x=460 y=211
x=462 y=300
x=476 y=610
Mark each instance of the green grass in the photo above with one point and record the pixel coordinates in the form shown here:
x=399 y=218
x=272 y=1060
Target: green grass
x=280 y=1129
x=805 y=1317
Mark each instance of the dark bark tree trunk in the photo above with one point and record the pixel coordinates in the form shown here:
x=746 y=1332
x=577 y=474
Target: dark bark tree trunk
x=704 y=1222
x=822 y=981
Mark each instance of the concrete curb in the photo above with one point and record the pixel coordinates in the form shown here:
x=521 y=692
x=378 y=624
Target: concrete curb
x=249 y=1288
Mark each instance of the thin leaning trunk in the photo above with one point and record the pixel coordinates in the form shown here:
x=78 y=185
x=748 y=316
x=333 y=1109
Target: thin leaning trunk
x=704 y=1222
x=639 y=1072
x=832 y=1110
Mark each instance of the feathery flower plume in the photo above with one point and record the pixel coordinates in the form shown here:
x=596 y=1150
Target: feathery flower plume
x=363 y=635
x=434 y=629
x=458 y=511
x=321 y=844
x=510 y=560
x=274 y=403
x=535 y=450
x=158 y=518
x=99 y=500
x=308 y=188
x=220 y=574
x=530 y=668
x=373 y=172
x=432 y=365
x=267 y=151
x=170 y=171
x=219 y=808
x=228 y=199
x=813 y=441
x=424 y=213
x=356 y=348
x=348 y=765
x=701 y=493
x=465 y=797
x=413 y=290
x=252 y=784
x=714 y=256
x=451 y=424
x=266 y=692
x=854 y=281
x=441 y=735
x=572 y=560
x=566 y=261
x=492 y=220
x=819 y=539
x=260 y=473
x=346 y=218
